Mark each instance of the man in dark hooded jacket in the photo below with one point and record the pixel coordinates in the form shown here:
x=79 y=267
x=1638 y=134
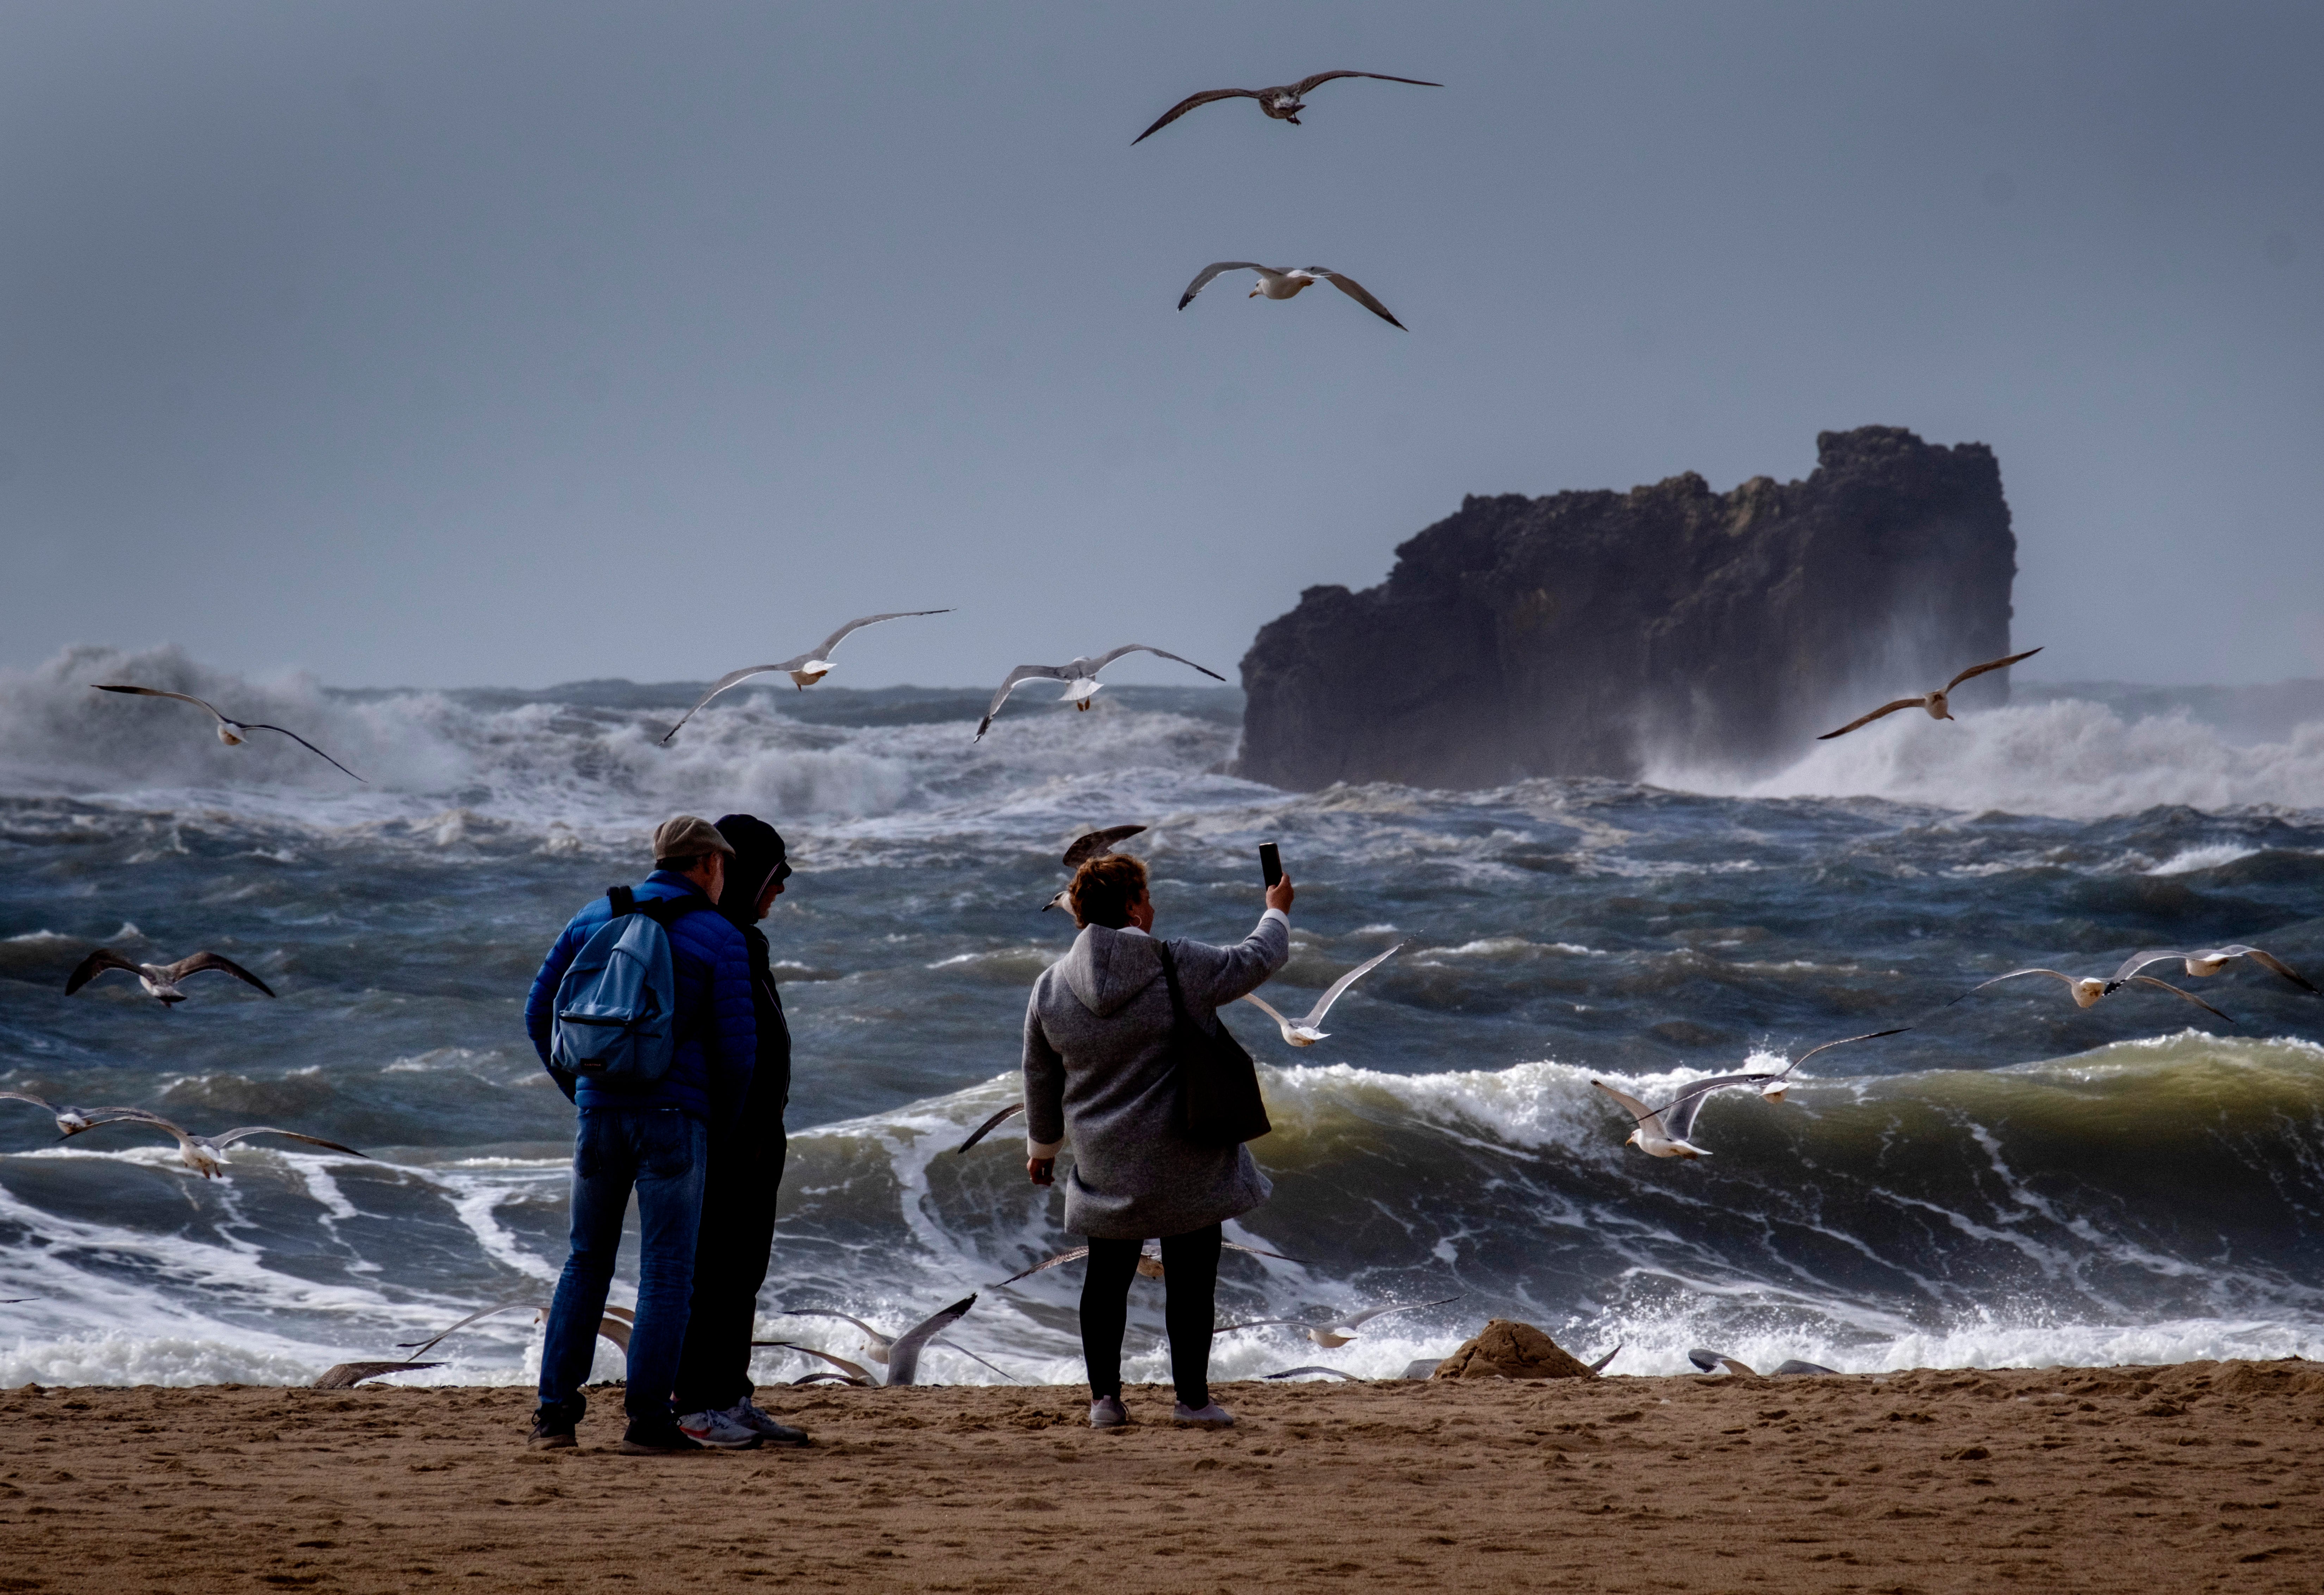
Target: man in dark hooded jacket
x=714 y=1394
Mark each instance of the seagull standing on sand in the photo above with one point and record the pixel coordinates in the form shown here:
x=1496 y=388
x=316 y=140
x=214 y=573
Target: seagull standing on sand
x=206 y=1154
x=2086 y=990
x=1936 y=703
x=805 y=670
x=1283 y=282
x=231 y=732
x=1095 y=844
x=1303 y=1032
x=1282 y=103
x=1330 y=1334
x=160 y=980
x=1775 y=1089
x=2207 y=962
x=1080 y=678
x=1665 y=1131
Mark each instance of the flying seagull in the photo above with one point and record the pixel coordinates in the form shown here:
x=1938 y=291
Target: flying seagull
x=614 y=1324
x=160 y=980
x=231 y=732
x=1283 y=282
x=70 y=1120
x=989 y=1125
x=1775 y=1089
x=879 y=1348
x=1936 y=702
x=1150 y=1259
x=2088 y=989
x=806 y=669
x=2209 y=961
x=346 y=1375
x=1080 y=678
x=1293 y=1373
x=1328 y=1334
x=901 y=1353
x=1094 y=844
x=1283 y=103
x=206 y=1154
x=1303 y=1032
x=1663 y=1133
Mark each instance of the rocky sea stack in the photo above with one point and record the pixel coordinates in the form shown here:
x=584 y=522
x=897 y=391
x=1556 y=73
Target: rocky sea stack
x=1586 y=633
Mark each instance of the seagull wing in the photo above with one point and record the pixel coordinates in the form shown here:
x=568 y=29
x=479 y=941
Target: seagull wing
x=1678 y=1116
x=1843 y=1041
x=1304 y=85
x=731 y=678
x=1990 y=665
x=202 y=961
x=1260 y=1004
x=95 y=964
x=1158 y=652
x=2067 y=980
x=346 y=1375
x=1265 y=1322
x=823 y=648
x=311 y=747
x=904 y=1354
x=1349 y=979
x=157 y=692
x=1259 y=1251
x=1902 y=703
x=2148 y=979
x=989 y=1125
x=1203 y=278
x=873 y=1334
x=137 y=1116
x=1074 y=1256
x=421 y=1348
x=2269 y=961
x=852 y=1369
x=25 y=1096
x=1646 y=1117
x=972 y=1356
x=1358 y=292
x=229 y=1136
x=1188 y=104
x=1356 y=1320
x=1097 y=844
x=1599 y=1366
x=2141 y=959
x=1016 y=677
x=1293 y=1373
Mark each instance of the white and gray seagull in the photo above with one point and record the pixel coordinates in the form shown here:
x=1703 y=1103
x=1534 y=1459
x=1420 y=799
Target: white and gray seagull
x=70 y=1120
x=1667 y=1131
x=1302 y=1032
x=2209 y=961
x=2085 y=989
x=614 y=1323
x=901 y=1353
x=1283 y=103
x=1093 y=844
x=880 y=1348
x=160 y=980
x=206 y=1154
x=1283 y=282
x=231 y=732
x=1330 y=1334
x=1938 y=702
x=1080 y=676
x=1773 y=1090
x=806 y=669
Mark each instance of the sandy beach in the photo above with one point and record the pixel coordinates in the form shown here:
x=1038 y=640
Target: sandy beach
x=2197 y=1477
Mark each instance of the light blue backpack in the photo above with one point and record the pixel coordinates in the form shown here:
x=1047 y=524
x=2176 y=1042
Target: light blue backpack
x=616 y=1010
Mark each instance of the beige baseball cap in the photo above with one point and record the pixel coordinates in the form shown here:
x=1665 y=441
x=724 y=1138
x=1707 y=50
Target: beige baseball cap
x=688 y=835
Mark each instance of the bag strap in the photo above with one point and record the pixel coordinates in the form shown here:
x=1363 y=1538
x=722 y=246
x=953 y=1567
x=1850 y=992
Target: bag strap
x=1170 y=975
x=622 y=900
x=662 y=911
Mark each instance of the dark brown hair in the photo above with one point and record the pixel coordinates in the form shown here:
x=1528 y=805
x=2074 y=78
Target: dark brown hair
x=1104 y=888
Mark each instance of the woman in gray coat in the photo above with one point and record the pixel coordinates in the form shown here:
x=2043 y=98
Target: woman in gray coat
x=1098 y=1073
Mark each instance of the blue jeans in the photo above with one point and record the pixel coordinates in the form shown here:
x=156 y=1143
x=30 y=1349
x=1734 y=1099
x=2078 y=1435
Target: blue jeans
x=663 y=1153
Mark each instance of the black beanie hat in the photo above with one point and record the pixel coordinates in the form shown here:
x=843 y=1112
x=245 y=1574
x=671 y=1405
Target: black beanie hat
x=758 y=859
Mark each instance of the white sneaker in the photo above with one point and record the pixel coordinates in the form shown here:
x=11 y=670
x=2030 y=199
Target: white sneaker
x=1210 y=1417
x=746 y=1414
x=717 y=1429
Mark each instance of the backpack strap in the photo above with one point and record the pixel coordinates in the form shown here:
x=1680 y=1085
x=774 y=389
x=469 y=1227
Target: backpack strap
x=622 y=900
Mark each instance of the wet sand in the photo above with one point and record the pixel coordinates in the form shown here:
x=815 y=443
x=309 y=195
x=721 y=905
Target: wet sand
x=2204 y=1476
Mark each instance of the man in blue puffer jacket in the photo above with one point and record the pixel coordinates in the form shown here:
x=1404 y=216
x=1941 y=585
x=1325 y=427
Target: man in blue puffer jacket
x=650 y=1135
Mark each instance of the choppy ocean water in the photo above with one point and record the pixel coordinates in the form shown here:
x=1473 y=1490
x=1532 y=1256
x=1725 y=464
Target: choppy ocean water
x=2015 y=1181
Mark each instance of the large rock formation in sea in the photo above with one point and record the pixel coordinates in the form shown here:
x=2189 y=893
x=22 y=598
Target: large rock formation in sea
x=1592 y=633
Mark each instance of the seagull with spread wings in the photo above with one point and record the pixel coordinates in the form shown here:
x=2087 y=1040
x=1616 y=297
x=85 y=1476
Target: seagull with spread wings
x=614 y=1324
x=1283 y=282
x=1080 y=676
x=1282 y=103
x=70 y=1120
x=2207 y=962
x=900 y=1353
x=880 y=1348
x=1302 y=1032
x=1773 y=1090
x=1093 y=844
x=1333 y=1332
x=231 y=732
x=806 y=669
x=160 y=980
x=2085 y=989
x=1938 y=702
x=206 y=1154
x=1666 y=1131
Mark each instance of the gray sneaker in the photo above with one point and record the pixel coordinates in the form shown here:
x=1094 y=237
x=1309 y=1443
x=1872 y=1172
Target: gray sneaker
x=716 y=1429
x=746 y=1414
x=1210 y=1415
x=1108 y=1413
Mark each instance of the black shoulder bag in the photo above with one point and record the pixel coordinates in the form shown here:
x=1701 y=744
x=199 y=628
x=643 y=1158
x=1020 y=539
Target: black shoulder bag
x=1218 y=1104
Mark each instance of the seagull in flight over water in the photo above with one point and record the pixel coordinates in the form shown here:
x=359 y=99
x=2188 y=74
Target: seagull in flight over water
x=1329 y=1334
x=1936 y=703
x=1282 y=103
x=1775 y=1089
x=2207 y=962
x=160 y=980
x=1283 y=282
x=231 y=732
x=2086 y=990
x=806 y=669
x=901 y=1353
x=1080 y=678
x=206 y=1154
x=1664 y=1132
x=69 y=1119
x=1302 y=1032
x=1094 y=844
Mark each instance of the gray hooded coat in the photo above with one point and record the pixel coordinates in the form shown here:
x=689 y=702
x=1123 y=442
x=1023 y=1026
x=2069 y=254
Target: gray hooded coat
x=1098 y=1073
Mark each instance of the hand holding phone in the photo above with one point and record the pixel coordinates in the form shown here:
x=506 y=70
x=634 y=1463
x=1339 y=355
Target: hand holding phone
x=1270 y=863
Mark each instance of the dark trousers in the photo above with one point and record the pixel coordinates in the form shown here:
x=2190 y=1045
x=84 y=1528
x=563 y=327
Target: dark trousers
x=730 y=1263
x=1190 y=1277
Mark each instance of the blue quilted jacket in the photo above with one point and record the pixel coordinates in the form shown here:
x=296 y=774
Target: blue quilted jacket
x=718 y=1034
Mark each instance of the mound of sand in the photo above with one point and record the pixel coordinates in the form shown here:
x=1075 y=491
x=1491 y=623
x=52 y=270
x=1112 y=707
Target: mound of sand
x=1507 y=1349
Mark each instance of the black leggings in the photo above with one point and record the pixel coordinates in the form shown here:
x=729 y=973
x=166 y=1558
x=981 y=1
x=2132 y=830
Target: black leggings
x=1190 y=1277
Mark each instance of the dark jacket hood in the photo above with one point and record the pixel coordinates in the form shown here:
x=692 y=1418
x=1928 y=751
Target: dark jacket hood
x=758 y=854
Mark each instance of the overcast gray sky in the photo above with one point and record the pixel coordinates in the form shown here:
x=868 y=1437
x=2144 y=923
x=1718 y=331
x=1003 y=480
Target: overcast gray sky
x=509 y=342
